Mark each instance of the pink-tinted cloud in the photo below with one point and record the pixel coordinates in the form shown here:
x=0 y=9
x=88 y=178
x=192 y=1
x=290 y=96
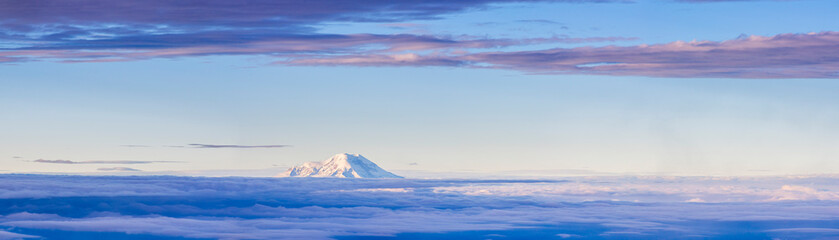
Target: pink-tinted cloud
x=811 y=55
x=310 y=46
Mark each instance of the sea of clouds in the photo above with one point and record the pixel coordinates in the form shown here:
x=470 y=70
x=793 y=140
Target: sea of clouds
x=606 y=207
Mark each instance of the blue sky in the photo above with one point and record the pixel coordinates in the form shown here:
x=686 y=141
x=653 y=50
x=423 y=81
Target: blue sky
x=472 y=87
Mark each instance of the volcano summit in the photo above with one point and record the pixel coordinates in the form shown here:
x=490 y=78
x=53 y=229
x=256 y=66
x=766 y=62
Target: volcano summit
x=343 y=165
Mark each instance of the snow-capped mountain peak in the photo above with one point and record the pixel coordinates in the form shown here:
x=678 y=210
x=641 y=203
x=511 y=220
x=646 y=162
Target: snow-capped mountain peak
x=344 y=165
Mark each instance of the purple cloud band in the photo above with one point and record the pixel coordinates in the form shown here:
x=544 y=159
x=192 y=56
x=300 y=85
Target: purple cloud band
x=38 y=29
x=86 y=24
x=106 y=31
x=243 y=13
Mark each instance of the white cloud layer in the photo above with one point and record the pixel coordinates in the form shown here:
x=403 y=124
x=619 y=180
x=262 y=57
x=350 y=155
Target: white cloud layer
x=294 y=208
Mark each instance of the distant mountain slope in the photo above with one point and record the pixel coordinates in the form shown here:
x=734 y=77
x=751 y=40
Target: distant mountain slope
x=343 y=165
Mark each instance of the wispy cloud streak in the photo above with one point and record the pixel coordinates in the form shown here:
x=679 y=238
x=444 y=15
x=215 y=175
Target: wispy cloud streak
x=119 y=169
x=286 y=46
x=59 y=161
x=135 y=146
x=196 y=145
